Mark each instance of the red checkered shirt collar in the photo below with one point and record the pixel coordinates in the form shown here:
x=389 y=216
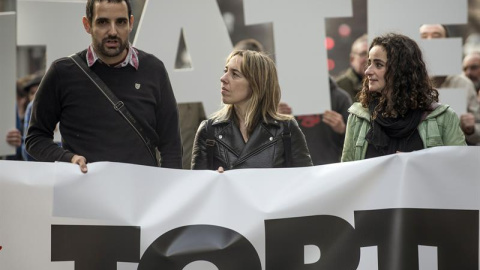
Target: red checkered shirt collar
x=132 y=57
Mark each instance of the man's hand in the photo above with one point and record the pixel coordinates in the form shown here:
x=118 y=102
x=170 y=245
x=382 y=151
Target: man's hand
x=14 y=138
x=284 y=108
x=467 y=123
x=335 y=121
x=81 y=161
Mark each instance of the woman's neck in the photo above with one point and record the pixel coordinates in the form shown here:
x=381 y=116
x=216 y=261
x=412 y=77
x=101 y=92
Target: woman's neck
x=240 y=113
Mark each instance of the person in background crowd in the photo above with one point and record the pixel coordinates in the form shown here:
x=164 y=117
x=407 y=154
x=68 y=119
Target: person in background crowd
x=470 y=121
x=248 y=132
x=31 y=88
x=191 y=115
x=351 y=79
x=325 y=133
x=91 y=128
x=249 y=44
x=14 y=135
x=471 y=68
x=398 y=109
x=472 y=43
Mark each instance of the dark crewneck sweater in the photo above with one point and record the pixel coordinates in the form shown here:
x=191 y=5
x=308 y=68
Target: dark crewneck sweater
x=91 y=127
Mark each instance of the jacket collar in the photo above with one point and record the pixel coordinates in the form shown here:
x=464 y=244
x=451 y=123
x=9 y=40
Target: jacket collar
x=230 y=136
x=270 y=121
x=130 y=59
x=358 y=110
x=436 y=109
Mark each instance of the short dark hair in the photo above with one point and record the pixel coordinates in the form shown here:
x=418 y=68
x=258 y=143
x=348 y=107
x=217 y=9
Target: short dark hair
x=90 y=4
x=34 y=80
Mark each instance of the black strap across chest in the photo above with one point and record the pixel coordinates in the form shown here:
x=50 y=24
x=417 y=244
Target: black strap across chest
x=117 y=104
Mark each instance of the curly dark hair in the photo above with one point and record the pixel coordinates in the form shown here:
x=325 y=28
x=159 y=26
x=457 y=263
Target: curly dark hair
x=407 y=84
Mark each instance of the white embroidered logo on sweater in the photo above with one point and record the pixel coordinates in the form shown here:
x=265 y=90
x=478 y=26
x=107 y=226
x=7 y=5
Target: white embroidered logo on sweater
x=137 y=86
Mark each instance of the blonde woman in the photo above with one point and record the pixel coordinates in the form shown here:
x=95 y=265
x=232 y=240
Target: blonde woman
x=248 y=132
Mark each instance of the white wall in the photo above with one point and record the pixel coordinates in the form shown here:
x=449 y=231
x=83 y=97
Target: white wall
x=7 y=78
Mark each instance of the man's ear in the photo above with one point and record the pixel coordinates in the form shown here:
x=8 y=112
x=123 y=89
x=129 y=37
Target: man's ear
x=131 y=22
x=86 y=25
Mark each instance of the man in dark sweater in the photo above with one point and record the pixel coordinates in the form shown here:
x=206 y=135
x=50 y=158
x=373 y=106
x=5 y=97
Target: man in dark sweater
x=90 y=127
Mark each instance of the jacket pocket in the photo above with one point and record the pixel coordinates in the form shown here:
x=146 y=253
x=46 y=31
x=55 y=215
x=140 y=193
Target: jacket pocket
x=433 y=134
x=361 y=141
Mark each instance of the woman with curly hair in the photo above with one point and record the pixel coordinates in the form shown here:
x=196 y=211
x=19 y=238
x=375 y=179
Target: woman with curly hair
x=398 y=109
x=248 y=132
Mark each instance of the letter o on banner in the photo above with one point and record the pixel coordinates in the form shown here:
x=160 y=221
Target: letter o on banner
x=223 y=247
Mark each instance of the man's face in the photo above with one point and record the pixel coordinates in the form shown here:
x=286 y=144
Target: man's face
x=358 y=57
x=471 y=68
x=110 y=28
x=429 y=31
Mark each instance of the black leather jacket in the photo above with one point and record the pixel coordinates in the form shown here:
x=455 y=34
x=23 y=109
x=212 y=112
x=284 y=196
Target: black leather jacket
x=264 y=148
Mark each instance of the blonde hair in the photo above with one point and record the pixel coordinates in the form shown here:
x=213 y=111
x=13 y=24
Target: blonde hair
x=261 y=74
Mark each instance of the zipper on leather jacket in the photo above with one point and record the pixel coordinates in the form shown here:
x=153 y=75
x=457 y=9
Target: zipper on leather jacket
x=239 y=161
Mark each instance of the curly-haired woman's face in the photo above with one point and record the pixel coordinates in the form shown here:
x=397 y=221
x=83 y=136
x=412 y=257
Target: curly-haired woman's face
x=376 y=68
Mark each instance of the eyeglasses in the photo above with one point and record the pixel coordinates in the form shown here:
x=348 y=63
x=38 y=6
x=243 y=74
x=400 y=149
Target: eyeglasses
x=472 y=67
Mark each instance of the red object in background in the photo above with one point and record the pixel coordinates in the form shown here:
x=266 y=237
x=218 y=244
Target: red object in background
x=344 y=30
x=331 y=64
x=329 y=43
x=309 y=121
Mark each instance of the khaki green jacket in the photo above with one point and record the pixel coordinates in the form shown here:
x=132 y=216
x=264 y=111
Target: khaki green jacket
x=439 y=127
x=350 y=82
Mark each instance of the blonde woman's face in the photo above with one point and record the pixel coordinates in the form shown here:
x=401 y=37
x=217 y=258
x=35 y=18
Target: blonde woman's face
x=235 y=88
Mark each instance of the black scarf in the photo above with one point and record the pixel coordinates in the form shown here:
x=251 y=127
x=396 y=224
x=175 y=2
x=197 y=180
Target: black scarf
x=389 y=135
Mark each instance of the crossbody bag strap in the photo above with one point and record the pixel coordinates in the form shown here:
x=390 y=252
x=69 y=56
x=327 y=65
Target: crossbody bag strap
x=117 y=104
x=287 y=143
x=210 y=142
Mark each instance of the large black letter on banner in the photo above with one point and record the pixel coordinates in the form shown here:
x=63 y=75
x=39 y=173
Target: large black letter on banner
x=223 y=247
x=398 y=232
x=335 y=237
x=95 y=247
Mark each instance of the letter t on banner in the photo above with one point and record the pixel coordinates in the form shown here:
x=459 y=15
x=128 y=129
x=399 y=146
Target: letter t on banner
x=299 y=35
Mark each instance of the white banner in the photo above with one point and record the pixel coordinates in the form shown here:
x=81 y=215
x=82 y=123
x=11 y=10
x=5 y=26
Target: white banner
x=415 y=210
